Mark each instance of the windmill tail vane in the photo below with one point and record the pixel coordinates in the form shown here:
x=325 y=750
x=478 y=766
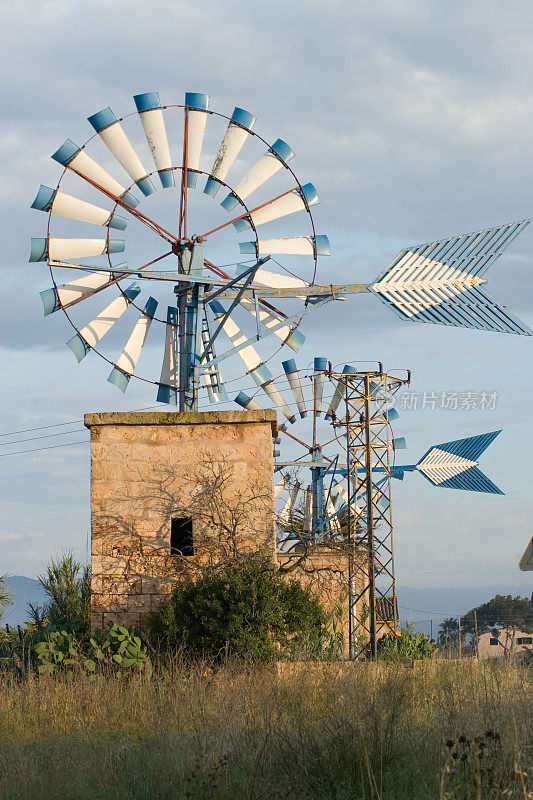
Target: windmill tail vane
x=441 y=282
x=454 y=465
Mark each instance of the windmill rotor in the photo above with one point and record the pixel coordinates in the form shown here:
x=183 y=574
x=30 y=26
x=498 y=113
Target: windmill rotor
x=314 y=488
x=196 y=267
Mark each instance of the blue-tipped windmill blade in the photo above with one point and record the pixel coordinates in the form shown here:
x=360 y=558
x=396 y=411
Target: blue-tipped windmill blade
x=196 y=105
x=236 y=134
x=112 y=134
x=273 y=160
x=454 y=465
x=153 y=121
x=440 y=282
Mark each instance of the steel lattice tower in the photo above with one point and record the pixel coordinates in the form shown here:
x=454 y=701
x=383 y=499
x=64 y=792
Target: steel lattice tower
x=367 y=400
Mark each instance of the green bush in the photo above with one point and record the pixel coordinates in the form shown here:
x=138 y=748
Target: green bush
x=247 y=609
x=405 y=647
x=67 y=584
x=6 y=598
x=118 y=651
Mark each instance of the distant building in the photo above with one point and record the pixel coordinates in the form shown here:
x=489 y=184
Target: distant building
x=503 y=643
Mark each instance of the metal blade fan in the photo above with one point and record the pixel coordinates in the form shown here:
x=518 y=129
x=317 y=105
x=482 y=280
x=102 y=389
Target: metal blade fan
x=322 y=479
x=189 y=241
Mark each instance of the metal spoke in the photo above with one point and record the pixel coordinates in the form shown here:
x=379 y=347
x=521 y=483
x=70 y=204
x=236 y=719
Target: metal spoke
x=248 y=213
x=155 y=227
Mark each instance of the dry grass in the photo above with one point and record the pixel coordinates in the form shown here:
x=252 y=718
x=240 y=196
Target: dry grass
x=357 y=731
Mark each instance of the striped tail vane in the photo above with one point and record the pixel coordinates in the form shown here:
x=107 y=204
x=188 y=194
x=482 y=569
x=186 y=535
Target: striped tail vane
x=454 y=465
x=441 y=282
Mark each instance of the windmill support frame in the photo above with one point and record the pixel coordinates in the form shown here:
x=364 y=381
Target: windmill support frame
x=369 y=519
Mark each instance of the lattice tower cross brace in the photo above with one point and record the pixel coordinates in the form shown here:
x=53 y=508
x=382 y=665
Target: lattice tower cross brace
x=370 y=533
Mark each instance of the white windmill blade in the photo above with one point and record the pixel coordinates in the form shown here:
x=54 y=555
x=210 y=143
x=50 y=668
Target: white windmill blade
x=320 y=366
x=280 y=485
x=237 y=132
x=59 y=249
x=246 y=402
x=293 y=377
x=263 y=169
x=272 y=279
x=66 y=294
x=64 y=205
x=286 y=511
x=289 y=203
x=153 y=121
x=167 y=391
x=440 y=282
x=195 y=120
x=125 y=366
x=289 y=336
x=308 y=510
x=76 y=159
x=343 y=494
x=332 y=519
x=90 y=335
x=288 y=245
x=212 y=376
x=112 y=134
x=252 y=361
x=338 y=393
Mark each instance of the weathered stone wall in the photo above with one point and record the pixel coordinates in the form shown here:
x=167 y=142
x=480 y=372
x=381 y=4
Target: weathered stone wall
x=146 y=468
x=325 y=572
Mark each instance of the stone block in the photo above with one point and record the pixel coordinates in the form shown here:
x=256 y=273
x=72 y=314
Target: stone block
x=144 y=469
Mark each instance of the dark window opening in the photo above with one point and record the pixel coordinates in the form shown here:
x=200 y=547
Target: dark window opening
x=494 y=641
x=525 y=640
x=181 y=543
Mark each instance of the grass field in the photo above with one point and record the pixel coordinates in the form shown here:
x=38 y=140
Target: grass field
x=331 y=732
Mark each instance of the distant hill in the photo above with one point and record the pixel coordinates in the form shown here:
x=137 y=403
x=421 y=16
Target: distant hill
x=419 y=605
x=25 y=590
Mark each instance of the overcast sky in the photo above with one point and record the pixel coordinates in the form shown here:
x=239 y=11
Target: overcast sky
x=414 y=120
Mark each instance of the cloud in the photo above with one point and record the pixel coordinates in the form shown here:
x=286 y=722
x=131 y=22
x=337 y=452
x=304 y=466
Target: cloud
x=413 y=119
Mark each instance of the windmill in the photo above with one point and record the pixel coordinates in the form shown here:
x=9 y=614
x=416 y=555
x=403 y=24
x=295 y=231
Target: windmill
x=217 y=280
x=440 y=282
x=350 y=453
x=195 y=319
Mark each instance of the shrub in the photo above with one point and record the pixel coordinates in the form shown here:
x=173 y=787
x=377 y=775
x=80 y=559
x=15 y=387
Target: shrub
x=67 y=584
x=6 y=598
x=118 y=651
x=247 y=609
x=407 y=646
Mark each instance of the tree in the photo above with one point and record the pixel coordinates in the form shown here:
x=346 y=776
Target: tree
x=6 y=597
x=67 y=584
x=407 y=646
x=246 y=609
x=448 y=637
x=503 y=613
